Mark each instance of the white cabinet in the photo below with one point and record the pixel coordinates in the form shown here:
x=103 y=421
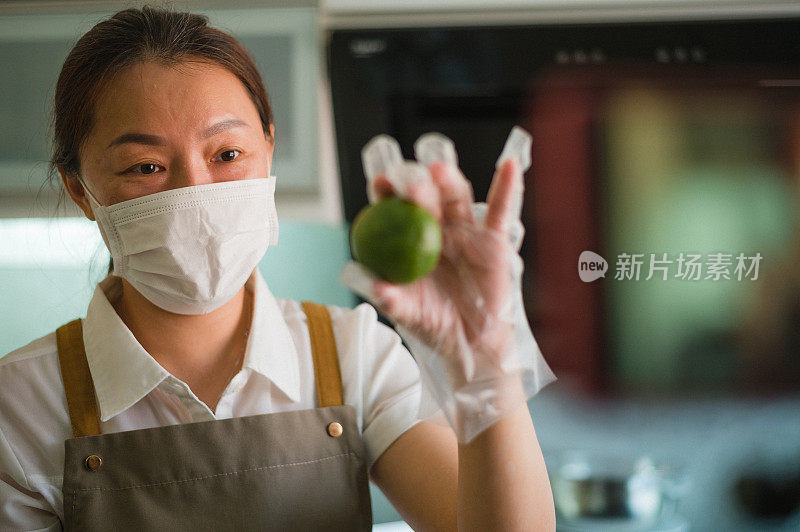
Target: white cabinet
x=284 y=44
x=283 y=41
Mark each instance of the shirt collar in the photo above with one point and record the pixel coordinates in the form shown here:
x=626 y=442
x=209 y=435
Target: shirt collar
x=123 y=372
x=271 y=350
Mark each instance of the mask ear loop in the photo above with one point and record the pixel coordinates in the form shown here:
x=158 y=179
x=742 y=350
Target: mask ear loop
x=88 y=192
x=97 y=211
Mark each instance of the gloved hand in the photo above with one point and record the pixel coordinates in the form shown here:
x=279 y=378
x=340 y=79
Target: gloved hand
x=464 y=322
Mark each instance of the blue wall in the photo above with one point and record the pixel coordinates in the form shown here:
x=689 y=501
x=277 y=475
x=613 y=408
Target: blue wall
x=38 y=296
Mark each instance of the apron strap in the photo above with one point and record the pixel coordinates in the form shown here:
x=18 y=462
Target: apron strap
x=326 y=359
x=78 y=384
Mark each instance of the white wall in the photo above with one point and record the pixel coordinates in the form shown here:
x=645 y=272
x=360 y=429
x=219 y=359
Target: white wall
x=387 y=13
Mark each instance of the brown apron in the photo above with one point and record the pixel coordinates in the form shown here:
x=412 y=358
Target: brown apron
x=301 y=470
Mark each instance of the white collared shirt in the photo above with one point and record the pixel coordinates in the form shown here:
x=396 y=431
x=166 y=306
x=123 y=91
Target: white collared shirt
x=379 y=377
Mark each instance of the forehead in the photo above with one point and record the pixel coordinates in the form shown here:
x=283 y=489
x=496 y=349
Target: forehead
x=170 y=98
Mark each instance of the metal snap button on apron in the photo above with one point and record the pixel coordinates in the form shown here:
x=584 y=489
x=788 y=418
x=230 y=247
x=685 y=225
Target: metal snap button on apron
x=93 y=462
x=335 y=429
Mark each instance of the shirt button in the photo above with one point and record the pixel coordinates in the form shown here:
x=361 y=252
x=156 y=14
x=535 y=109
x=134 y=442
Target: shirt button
x=93 y=462
x=335 y=429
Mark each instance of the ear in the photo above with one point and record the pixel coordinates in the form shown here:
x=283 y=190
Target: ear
x=76 y=191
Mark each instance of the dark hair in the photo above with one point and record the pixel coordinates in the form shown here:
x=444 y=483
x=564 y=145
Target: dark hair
x=132 y=36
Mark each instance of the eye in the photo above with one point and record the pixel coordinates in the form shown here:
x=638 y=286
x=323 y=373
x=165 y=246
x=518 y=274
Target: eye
x=144 y=169
x=229 y=155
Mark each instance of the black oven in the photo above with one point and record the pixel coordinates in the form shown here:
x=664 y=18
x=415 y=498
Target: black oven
x=655 y=142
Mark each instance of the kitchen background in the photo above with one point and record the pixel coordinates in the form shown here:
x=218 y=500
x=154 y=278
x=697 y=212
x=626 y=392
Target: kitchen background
x=659 y=127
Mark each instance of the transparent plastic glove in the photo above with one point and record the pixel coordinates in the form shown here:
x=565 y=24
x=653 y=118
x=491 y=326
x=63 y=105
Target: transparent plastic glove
x=464 y=322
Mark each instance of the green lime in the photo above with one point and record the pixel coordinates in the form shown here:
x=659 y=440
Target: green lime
x=397 y=240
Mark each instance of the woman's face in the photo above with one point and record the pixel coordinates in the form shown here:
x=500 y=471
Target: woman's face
x=165 y=127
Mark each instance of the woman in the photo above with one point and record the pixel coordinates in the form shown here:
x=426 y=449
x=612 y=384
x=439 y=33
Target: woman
x=189 y=397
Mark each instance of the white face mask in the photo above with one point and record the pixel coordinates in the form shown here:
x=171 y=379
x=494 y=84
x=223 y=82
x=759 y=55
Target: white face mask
x=191 y=249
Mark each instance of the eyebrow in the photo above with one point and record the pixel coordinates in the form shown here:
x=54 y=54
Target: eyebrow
x=154 y=140
x=221 y=126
